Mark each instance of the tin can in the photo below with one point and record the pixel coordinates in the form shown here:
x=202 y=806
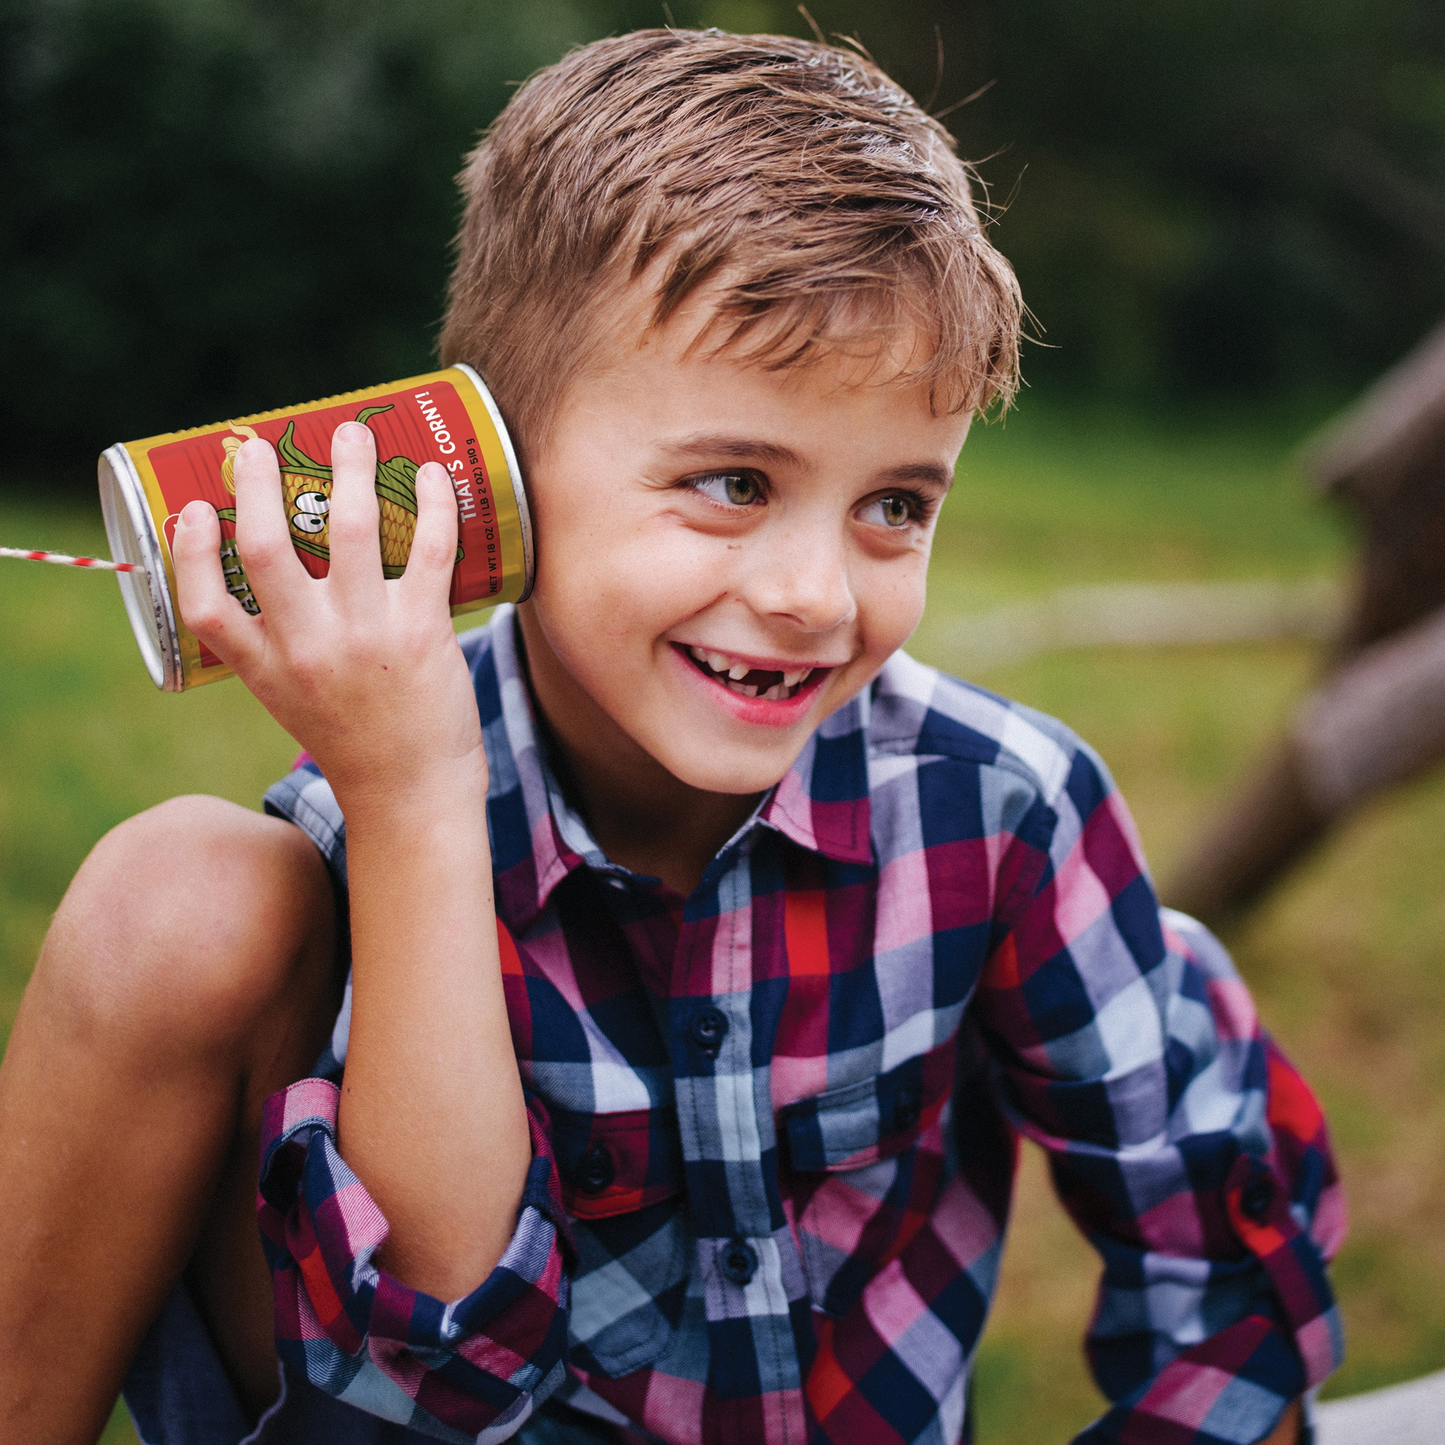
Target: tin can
x=443 y=416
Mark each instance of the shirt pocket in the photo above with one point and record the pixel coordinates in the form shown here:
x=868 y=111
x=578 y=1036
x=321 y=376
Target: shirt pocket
x=867 y=1165
x=622 y=1186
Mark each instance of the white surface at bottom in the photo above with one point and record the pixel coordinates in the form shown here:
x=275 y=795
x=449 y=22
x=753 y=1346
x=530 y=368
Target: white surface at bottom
x=1408 y=1414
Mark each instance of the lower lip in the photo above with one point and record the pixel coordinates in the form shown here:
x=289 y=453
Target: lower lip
x=761 y=712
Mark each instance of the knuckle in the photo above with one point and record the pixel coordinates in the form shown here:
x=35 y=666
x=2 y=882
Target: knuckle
x=354 y=526
x=434 y=551
x=204 y=615
x=261 y=549
x=307 y=668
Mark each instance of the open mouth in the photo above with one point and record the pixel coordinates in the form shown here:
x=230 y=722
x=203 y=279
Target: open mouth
x=748 y=681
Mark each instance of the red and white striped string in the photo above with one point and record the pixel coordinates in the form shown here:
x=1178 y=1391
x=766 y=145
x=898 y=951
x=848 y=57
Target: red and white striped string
x=62 y=560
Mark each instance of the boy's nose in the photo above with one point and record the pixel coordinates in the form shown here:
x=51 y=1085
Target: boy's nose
x=803 y=578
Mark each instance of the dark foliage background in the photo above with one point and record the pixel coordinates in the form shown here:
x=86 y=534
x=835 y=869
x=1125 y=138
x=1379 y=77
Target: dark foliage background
x=212 y=206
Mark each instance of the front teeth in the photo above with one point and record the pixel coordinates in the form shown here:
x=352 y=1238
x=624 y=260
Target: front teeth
x=731 y=672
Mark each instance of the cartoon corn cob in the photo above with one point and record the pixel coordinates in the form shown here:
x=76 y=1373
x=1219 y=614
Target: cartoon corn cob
x=306 y=490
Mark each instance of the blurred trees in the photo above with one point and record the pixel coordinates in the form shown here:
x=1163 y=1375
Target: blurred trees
x=212 y=206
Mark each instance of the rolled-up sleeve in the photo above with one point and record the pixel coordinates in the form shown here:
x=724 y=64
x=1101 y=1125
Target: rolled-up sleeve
x=471 y=1369
x=1180 y=1139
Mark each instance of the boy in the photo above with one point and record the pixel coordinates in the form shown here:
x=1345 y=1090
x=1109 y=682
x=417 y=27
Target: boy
x=701 y=1127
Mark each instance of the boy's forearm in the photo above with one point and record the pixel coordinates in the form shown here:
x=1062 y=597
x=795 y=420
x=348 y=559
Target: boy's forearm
x=1287 y=1432
x=432 y=1117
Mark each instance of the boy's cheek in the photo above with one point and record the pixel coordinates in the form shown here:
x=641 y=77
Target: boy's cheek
x=892 y=598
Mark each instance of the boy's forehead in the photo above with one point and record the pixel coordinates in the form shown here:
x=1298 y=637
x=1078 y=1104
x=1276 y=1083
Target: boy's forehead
x=628 y=340
x=668 y=393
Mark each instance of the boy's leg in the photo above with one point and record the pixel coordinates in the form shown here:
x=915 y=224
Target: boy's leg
x=188 y=974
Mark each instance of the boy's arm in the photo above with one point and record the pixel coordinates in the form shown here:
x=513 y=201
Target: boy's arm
x=431 y=1116
x=1291 y=1423
x=1180 y=1139
x=438 y=1163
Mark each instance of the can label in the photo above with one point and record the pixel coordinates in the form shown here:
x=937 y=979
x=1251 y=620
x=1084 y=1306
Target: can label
x=442 y=416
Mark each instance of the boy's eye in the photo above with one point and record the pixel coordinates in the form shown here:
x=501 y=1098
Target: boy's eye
x=731 y=489
x=895 y=510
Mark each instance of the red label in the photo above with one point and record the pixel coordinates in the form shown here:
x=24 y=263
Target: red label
x=411 y=427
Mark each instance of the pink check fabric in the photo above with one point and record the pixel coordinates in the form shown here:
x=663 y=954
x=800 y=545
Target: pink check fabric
x=775 y=1123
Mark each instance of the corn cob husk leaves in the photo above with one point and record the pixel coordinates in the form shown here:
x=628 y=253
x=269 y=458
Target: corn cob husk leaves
x=302 y=475
x=395 y=492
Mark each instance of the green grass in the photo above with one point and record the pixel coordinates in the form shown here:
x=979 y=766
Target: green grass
x=86 y=739
x=1347 y=959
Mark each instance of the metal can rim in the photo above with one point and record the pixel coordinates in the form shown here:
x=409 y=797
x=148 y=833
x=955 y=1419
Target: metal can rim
x=514 y=474
x=128 y=520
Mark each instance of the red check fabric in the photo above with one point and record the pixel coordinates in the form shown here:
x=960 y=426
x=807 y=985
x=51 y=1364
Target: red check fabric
x=775 y=1123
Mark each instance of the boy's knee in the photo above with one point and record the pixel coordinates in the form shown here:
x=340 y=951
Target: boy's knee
x=187 y=925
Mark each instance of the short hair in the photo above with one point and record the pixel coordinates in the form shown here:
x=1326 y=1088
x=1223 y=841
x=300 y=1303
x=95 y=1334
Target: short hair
x=821 y=205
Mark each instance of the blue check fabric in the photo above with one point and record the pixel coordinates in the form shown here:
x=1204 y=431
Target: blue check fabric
x=775 y=1123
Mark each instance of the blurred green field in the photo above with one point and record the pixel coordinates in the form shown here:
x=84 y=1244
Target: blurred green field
x=1348 y=960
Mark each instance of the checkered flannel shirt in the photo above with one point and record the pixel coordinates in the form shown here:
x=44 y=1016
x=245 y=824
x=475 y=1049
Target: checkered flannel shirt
x=775 y=1123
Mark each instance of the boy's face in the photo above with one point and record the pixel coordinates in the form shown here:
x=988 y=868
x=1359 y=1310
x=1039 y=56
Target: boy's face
x=725 y=556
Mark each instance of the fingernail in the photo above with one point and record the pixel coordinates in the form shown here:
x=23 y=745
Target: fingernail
x=192 y=513
x=354 y=430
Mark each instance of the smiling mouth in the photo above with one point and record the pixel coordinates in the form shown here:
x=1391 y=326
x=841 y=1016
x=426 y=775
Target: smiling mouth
x=746 y=680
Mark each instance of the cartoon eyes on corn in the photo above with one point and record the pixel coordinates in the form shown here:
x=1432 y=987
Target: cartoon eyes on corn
x=310 y=513
x=306 y=490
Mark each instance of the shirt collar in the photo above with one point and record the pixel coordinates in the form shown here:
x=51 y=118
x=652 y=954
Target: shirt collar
x=821 y=803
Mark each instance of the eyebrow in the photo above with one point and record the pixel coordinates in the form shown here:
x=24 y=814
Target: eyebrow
x=919 y=472
x=747 y=449
x=738 y=449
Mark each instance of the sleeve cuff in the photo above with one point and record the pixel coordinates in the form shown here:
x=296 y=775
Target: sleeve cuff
x=1260 y=1213
x=1232 y=1387
x=362 y=1335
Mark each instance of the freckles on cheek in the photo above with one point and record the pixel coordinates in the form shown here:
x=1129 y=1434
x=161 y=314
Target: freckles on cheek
x=900 y=600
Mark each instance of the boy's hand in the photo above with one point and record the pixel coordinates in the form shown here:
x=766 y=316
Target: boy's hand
x=366 y=674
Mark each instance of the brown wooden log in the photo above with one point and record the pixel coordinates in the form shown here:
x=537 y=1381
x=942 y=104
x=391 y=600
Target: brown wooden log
x=1265 y=826
x=1384 y=460
x=1379 y=715
x=1378 y=721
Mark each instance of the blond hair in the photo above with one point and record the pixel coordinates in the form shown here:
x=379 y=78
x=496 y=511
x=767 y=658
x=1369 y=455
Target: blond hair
x=821 y=206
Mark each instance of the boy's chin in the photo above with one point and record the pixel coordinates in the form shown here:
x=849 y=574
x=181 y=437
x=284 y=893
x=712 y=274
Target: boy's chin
x=738 y=781
x=740 y=772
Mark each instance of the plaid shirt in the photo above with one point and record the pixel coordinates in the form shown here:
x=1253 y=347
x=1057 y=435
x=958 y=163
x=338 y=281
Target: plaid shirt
x=775 y=1123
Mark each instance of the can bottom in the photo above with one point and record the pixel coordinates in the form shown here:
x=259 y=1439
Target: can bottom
x=131 y=533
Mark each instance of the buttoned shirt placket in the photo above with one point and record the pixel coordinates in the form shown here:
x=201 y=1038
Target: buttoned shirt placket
x=747 y=1265
x=747 y=1259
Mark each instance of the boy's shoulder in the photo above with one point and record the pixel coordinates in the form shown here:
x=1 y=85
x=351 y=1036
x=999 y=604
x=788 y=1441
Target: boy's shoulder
x=914 y=710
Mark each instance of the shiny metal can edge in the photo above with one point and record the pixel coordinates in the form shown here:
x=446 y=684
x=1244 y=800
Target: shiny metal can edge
x=130 y=529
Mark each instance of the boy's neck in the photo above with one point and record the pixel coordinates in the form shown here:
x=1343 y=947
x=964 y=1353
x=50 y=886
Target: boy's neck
x=640 y=814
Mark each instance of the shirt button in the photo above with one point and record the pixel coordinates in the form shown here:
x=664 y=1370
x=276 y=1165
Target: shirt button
x=708 y=1028
x=907 y=1106
x=596 y=1170
x=1256 y=1197
x=739 y=1261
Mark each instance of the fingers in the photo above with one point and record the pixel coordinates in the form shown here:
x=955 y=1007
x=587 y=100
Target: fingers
x=354 y=519
x=206 y=607
x=434 y=548
x=263 y=533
